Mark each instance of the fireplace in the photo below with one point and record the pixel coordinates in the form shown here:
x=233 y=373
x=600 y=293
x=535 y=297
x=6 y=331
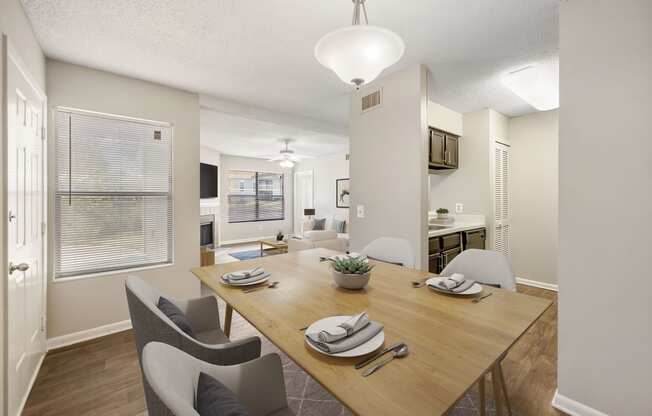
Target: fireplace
x=207 y=231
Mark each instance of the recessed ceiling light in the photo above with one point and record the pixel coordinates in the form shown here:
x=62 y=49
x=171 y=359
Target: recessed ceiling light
x=537 y=84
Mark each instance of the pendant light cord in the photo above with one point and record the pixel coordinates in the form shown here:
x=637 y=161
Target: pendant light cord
x=357 y=6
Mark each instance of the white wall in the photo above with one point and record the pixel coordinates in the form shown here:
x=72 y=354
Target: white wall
x=534 y=186
x=605 y=202
x=326 y=170
x=389 y=162
x=18 y=30
x=445 y=119
x=252 y=230
x=91 y=302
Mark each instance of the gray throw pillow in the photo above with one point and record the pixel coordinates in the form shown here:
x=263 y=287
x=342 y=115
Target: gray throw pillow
x=174 y=313
x=319 y=224
x=215 y=399
x=339 y=226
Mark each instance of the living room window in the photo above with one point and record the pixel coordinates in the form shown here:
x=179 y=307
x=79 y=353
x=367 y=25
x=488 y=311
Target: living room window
x=113 y=193
x=255 y=196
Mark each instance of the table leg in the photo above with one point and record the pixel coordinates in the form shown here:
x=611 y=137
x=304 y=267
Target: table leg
x=261 y=250
x=498 y=396
x=481 y=385
x=504 y=386
x=228 y=316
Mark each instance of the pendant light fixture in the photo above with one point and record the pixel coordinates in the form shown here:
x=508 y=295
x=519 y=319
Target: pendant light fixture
x=360 y=52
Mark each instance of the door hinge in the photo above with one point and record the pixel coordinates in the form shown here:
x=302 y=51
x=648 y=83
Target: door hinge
x=43 y=227
x=43 y=133
x=42 y=323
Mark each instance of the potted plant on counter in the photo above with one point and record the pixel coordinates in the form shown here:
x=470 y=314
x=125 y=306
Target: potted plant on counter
x=351 y=273
x=442 y=213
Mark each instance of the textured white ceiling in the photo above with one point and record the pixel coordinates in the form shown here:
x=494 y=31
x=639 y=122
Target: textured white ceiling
x=240 y=136
x=260 y=52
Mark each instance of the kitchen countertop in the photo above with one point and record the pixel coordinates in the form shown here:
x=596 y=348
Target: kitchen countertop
x=457 y=227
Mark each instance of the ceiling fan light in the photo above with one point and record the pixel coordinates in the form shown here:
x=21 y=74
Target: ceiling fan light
x=286 y=163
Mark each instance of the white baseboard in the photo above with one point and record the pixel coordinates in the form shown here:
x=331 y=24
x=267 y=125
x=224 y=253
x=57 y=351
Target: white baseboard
x=23 y=402
x=534 y=283
x=244 y=240
x=572 y=407
x=76 y=337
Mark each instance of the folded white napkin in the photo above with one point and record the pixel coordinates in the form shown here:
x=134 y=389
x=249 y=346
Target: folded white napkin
x=452 y=281
x=347 y=328
x=245 y=274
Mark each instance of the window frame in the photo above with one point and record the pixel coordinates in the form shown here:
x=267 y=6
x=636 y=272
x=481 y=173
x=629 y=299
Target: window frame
x=256 y=172
x=53 y=195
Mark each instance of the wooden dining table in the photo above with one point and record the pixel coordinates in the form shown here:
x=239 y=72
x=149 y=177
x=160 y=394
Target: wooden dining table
x=452 y=341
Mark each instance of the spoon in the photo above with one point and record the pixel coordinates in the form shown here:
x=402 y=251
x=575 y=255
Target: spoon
x=269 y=286
x=400 y=353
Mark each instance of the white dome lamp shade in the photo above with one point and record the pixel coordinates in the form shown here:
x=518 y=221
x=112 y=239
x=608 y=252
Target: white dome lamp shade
x=359 y=53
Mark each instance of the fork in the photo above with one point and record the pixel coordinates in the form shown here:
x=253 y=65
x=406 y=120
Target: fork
x=269 y=286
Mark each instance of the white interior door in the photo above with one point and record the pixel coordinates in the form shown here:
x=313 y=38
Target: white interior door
x=304 y=197
x=502 y=199
x=26 y=229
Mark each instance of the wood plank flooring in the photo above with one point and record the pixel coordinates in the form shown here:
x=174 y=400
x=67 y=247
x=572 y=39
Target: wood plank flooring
x=102 y=376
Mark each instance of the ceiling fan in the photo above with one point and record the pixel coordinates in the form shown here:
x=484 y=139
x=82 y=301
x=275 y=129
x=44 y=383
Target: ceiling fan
x=286 y=156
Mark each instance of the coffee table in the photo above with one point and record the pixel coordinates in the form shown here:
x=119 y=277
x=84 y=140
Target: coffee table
x=282 y=246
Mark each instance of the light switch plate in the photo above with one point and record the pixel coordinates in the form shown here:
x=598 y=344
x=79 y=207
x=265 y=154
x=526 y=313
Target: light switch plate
x=360 y=211
x=459 y=208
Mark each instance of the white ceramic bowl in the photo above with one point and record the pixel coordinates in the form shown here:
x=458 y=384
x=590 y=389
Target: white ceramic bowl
x=351 y=281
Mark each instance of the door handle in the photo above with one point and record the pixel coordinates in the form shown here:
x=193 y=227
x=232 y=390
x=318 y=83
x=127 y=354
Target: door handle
x=23 y=267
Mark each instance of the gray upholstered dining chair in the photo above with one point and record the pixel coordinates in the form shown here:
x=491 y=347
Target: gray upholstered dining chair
x=173 y=375
x=483 y=266
x=210 y=343
x=390 y=250
x=491 y=268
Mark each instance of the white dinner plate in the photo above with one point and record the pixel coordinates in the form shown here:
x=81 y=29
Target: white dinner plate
x=256 y=282
x=368 y=347
x=473 y=290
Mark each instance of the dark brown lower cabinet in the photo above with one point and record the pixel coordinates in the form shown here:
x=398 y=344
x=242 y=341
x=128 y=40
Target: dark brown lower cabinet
x=443 y=249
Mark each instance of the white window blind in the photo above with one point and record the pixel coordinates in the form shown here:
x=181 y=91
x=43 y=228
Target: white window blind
x=255 y=196
x=113 y=199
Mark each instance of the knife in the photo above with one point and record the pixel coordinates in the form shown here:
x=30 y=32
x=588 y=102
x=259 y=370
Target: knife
x=380 y=354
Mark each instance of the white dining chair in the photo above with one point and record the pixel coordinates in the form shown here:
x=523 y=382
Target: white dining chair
x=491 y=268
x=390 y=250
x=483 y=266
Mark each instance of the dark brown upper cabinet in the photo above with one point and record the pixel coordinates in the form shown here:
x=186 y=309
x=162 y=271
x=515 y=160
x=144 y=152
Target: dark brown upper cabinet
x=443 y=150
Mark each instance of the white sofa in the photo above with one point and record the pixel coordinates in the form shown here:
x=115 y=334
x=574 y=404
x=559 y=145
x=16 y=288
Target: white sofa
x=326 y=238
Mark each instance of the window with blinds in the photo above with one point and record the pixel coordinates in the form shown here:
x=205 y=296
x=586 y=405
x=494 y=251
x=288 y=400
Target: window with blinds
x=113 y=193
x=255 y=196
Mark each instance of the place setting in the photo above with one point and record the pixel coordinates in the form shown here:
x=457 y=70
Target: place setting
x=250 y=280
x=353 y=336
x=456 y=284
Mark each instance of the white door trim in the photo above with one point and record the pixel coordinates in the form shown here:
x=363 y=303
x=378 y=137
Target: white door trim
x=299 y=215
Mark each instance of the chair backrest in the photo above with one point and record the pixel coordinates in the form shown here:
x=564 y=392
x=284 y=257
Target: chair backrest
x=173 y=375
x=390 y=250
x=483 y=266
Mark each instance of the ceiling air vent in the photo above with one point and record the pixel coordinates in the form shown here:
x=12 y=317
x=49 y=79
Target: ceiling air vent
x=371 y=101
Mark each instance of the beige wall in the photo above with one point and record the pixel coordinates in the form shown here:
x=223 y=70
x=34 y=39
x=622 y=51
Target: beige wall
x=389 y=162
x=605 y=202
x=87 y=303
x=18 y=30
x=252 y=230
x=326 y=170
x=534 y=187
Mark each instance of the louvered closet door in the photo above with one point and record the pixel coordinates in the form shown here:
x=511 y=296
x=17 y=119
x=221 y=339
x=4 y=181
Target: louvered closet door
x=501 y=199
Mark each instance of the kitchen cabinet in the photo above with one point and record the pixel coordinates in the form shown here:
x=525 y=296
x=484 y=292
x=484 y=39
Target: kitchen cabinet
x=444 y=150
x=444 y=248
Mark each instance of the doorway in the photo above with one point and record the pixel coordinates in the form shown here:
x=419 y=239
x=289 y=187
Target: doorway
x=304 y=197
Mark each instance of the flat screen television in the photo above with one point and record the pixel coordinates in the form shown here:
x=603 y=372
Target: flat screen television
x=208 y=182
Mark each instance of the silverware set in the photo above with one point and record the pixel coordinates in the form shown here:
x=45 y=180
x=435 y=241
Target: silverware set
x=476 y=300
x=272 y=285
x=398 y=350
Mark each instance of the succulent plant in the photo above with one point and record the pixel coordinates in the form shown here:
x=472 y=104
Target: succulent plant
x=442 y=211
x=352 y=265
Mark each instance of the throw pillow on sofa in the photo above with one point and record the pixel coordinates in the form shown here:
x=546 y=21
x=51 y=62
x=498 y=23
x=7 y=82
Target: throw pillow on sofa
x=319 y=224
x=339 y=226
